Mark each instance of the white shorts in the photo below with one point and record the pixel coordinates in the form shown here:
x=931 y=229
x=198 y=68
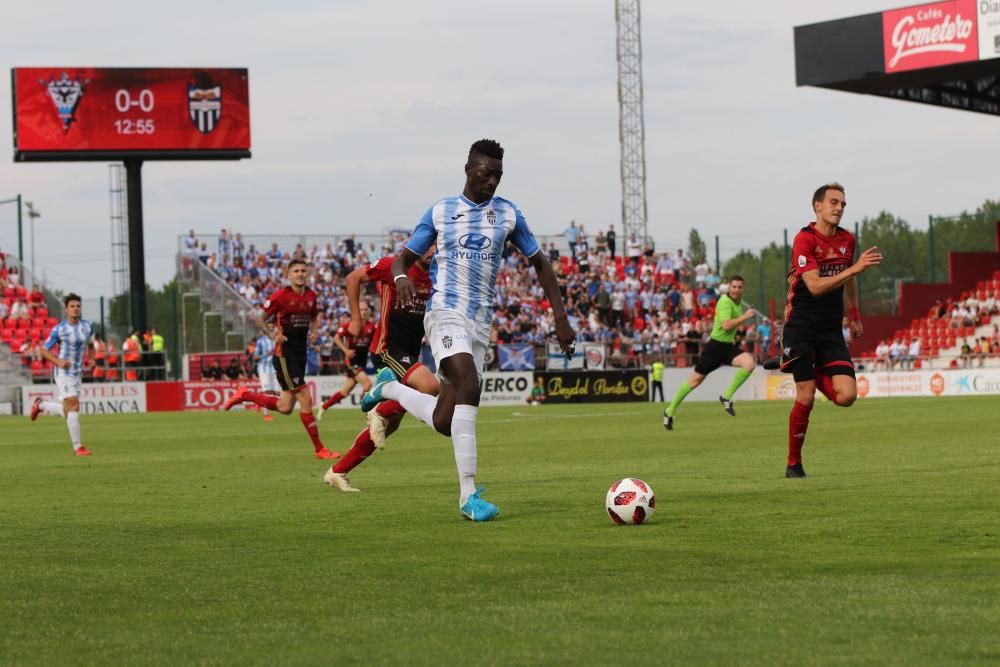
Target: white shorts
x=268 y=379
x=68 y=385
x=450 y=332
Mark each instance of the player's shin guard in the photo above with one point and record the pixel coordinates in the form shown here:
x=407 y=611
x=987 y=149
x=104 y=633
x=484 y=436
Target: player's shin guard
x=389 y=409
x=359 y=451
x=73 y=424
x=738 y=380
x=421 y=405
x=263 y=400
x=463 y=437
x=682 y=392
x=333 y=400
x=310 y=423
x=798 y=424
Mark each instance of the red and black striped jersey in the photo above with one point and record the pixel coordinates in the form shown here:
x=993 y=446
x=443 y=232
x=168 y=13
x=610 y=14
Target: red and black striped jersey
x=830 y=255
x=403 y=326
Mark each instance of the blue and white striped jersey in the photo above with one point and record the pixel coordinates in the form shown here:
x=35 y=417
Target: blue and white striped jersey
x=72 y=340
x=264 y=350
x=470 y=241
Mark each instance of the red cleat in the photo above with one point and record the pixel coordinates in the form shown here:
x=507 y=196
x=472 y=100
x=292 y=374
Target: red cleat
x=236 y=398
x=327 y=454
x=268 y=418
x=83 y=451
x=36 y=409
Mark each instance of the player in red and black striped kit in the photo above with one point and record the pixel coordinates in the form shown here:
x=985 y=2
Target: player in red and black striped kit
x=293 y=310
x=399 y=335
x=812 y=341
x=355 y=349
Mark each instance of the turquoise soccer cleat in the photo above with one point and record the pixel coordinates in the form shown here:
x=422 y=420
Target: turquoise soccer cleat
x=374 y=396
x=477 y=509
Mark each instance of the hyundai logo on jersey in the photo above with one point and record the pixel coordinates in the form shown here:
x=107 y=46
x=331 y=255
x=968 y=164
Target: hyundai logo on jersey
x=475 y=242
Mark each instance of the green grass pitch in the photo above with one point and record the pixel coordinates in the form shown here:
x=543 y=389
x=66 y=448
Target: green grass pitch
x=210 y=539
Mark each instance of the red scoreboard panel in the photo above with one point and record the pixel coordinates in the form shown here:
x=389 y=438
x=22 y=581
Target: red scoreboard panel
x=92 y=113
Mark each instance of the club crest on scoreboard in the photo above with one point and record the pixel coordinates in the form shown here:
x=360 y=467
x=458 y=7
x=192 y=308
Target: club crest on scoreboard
x=204 y=102
x=65 y=94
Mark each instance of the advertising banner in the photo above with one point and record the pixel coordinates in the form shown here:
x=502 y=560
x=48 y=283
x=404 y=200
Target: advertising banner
x=95 y=398
x=941 y=33
x=989 y=29
x=130 y=110
x=506 y=388
x=952 y=382
x=596 y=386
x=516 y=357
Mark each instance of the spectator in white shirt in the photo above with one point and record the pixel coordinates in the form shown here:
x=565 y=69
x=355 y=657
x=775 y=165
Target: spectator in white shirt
x=913 y=354
x=882 y=355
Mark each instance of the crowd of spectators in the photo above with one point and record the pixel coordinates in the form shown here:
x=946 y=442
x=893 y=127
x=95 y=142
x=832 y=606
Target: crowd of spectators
x=645 y=306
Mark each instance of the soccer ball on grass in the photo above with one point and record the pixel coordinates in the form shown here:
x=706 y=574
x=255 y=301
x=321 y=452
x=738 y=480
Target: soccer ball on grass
x=630 y=502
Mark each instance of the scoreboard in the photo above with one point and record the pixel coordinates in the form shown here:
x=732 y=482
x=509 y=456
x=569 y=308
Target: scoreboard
x=87 y=113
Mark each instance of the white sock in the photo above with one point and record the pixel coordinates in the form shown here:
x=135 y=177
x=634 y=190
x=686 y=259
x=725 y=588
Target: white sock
x=417 y=404
x=52 y=408
x=267 y=412
x=73 y=423
x=463 y=437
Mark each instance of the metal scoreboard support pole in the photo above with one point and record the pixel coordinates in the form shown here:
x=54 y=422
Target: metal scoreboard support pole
x=631 y=127
x=136 y=252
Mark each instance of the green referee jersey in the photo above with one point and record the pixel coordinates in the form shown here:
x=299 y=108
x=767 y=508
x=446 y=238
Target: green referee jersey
x=725 y=309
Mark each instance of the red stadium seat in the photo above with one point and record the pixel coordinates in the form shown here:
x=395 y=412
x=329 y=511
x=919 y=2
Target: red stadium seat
x=53 y=321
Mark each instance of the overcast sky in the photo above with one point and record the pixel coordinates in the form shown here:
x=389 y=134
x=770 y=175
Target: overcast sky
x=350 y=99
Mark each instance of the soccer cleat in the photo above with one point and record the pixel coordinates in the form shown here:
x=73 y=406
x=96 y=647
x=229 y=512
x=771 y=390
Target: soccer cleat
x=377 y=425
x=477 y=509
x=727 y=405
x=668 y=422
x=36 y=409
x=324 y=453
x=373 y=396
x=795 y=472
x=82 y=451
x=772 y=364
x=235 y=399
x=340 y=481
x=268 y=418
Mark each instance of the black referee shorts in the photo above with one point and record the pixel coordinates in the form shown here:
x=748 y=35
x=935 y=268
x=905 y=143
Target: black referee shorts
x=803 y=351
x=716 y=354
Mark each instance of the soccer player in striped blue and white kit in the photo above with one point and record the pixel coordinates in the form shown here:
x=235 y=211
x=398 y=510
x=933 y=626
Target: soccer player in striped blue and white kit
x=470 y=230
x=263 y=352
x=72 y=335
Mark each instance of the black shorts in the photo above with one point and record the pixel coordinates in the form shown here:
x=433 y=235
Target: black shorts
x=804 y=351
x=715 y=354
x=357 y=363
x=401 y=362
x=291 y=371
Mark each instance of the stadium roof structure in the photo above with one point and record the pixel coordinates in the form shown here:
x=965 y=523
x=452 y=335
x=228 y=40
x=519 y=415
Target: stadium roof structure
x=945 y=54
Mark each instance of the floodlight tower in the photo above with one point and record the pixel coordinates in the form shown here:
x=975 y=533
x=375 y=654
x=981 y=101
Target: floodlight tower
x=631 y=128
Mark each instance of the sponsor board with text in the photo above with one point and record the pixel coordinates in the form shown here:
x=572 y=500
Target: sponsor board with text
x=595 y=386
x=989 y=28
x=932 y=35
x=95 y=399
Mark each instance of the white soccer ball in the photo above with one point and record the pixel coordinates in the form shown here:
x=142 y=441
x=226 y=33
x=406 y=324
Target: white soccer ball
x=630 y=502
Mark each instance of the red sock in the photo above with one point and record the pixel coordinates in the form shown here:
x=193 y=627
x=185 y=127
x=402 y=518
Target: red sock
x=263 y=400
x=333 y=400
x=359 y=451
x=310 y=423
x=390 y=409
x=824 y=383
x=798 y=424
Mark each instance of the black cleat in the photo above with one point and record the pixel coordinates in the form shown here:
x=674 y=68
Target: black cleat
x=795 y=472
x=772 y=364
x=668 y=422
x=728 y=406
